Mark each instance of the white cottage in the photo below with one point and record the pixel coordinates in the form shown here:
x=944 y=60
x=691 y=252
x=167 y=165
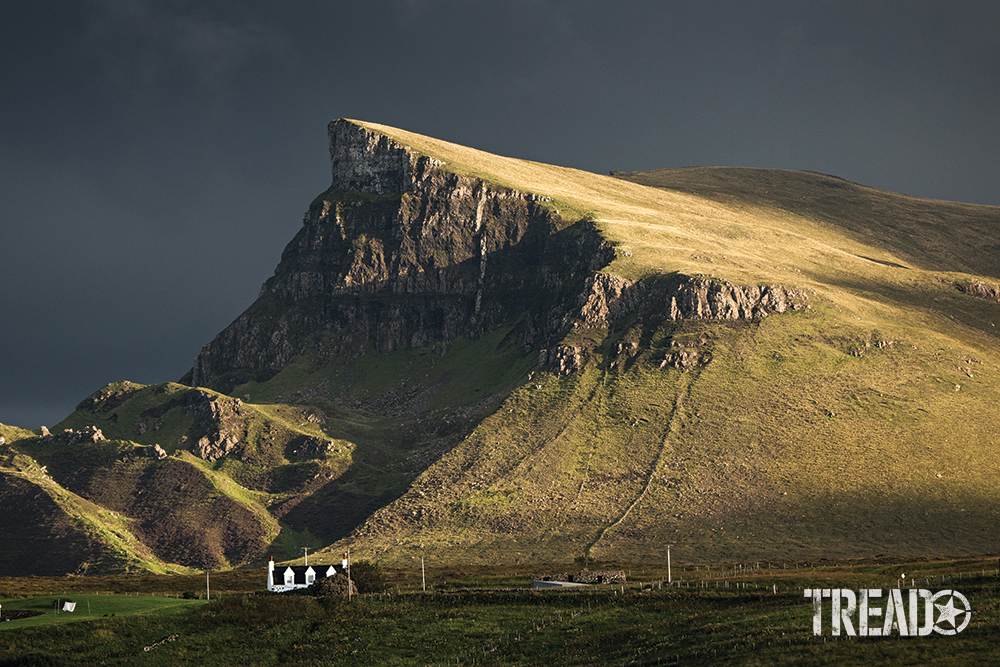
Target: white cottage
x=291 y=577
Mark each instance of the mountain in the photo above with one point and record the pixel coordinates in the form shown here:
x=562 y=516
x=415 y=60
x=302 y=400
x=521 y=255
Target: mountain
x=475 y=358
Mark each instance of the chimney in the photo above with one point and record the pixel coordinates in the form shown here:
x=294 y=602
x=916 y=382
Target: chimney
x=270 y=574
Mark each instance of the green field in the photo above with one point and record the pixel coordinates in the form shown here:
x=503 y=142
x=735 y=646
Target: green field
x=90 y=607
x=740 y=614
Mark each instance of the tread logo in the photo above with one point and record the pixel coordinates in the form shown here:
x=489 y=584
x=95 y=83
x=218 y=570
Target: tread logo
x=911 y=613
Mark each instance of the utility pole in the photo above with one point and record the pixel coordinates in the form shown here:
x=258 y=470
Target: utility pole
x=669 y=577
x=208 y=592
x=423 y=576
x=348 y=574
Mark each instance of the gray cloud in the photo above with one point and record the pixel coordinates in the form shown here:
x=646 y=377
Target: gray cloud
x=156 y=156
x=140 y=41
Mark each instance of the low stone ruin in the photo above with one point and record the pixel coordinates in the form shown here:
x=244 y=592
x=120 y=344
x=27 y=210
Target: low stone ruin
x=589 y=577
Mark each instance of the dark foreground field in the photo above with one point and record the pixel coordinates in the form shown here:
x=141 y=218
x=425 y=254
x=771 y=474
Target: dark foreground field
x=750 y=614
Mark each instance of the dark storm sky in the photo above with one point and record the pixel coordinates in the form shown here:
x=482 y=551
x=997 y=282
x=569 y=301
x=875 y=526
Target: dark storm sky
x=156 y=156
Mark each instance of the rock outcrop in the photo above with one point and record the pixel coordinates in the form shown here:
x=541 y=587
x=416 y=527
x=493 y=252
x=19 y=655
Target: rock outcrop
x=71 y=437
x=308 y=447
x=153 y=451
x=687 y=356
x=710 y=298
x=223 y=425
x=608 y=298
x=562 y=359
x=980 y=289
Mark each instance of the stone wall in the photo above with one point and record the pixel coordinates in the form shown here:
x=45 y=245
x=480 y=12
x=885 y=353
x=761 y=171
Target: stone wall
x=589 y=577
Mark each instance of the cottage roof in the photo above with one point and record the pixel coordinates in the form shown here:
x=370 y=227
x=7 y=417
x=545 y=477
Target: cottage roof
x=299 y=572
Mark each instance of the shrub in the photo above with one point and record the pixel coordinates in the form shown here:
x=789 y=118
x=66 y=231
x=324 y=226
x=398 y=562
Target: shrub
x=330 y=586
x=367 y=577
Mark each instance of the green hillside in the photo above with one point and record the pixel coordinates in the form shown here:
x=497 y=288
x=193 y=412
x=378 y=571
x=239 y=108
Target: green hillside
x=765 y=364
x=799 y=439
x=859 y=426
x=51 y=530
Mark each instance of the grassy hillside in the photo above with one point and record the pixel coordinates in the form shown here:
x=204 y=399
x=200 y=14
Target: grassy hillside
x=51 y=530
x=858 y=426
x=147 y=509
x=399 y=413
x=798 y=439
x=929 y=234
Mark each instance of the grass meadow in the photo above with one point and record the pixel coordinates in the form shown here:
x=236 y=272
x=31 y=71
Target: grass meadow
x=735 y=613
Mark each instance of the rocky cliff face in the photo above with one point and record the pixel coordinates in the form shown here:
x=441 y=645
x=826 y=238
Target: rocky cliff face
x=608 y=298
x=400 y=252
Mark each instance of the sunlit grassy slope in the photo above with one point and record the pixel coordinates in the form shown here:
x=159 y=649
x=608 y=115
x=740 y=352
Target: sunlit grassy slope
x=756 y=224
x=863 y=425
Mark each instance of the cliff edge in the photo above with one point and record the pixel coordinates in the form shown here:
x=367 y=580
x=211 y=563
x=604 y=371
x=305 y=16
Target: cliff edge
x=400 y=251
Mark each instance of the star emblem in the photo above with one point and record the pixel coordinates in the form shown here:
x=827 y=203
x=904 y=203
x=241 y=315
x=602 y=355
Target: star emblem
x=948 y=613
